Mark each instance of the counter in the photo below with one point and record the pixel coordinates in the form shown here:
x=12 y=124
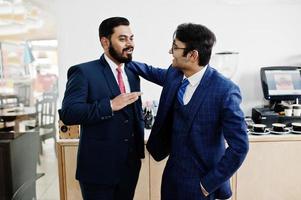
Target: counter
x=69 y=187
x=270 y=171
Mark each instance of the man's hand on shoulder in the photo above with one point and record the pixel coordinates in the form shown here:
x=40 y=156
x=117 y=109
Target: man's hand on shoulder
x=124 y=99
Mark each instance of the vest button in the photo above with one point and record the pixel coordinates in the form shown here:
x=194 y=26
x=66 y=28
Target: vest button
x=126 y=121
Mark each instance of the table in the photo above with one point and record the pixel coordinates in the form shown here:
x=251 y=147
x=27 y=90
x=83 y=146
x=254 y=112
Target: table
x=13 y=116
x=7 y=95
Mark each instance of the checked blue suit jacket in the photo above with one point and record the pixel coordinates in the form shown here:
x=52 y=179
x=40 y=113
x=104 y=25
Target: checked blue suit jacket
x=215 y=117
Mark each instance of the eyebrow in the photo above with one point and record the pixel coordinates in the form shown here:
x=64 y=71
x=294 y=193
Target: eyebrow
x=174 y=44
x=126 y=36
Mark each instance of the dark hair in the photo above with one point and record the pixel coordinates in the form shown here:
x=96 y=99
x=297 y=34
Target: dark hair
x=196 y=37
x=106 y=27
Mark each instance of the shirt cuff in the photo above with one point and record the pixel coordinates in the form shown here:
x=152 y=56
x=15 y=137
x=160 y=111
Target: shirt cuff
x=204 y=190
x=111 y=107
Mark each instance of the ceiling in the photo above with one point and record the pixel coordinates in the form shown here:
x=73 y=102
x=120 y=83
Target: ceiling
x=46 y=10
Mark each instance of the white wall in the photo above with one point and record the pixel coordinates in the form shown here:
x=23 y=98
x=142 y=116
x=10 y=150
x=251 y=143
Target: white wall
x=264 y=32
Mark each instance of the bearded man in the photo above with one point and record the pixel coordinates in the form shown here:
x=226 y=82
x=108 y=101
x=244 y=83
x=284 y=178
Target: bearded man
x=103 y=96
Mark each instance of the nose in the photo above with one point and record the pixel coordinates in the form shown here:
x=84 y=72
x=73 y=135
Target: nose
x=130 y=42
x=170 y=51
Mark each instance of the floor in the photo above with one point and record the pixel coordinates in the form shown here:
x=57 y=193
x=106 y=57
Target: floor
x=48 y=185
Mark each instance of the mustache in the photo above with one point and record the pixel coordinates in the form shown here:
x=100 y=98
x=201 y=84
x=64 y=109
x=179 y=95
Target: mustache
x=128 y=48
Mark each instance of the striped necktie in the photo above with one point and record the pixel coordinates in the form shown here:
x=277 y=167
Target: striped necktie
x=120 y=80
x=181 y=91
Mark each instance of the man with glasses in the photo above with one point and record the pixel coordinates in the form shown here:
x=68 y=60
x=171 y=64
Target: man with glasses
x=103 y=97
x=199 y=109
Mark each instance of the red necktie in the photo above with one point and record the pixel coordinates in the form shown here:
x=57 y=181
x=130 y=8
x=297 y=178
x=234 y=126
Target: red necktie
x=120 y=80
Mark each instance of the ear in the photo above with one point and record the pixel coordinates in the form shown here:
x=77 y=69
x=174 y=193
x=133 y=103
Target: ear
x=194 y=56
x=105 y=43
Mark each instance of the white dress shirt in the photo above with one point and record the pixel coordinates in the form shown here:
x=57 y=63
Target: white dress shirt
x=194 y=82
x=113 y=67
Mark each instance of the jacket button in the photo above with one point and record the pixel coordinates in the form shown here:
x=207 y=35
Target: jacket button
x=126 y=121
x=126 y=140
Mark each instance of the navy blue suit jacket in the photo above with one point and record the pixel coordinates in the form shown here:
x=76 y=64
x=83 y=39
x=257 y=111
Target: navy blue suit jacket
x=103 y=144
x=214 y=118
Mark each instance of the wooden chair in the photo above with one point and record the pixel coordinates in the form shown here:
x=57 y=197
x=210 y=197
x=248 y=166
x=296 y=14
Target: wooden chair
x=46 y=120
x=24 y=93
x=50 y=95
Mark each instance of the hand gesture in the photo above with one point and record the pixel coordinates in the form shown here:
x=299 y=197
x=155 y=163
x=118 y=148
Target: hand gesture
x=124 y=99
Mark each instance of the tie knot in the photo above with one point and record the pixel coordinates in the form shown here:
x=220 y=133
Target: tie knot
x=181 y=90
x=118 y=69
x=185 y=82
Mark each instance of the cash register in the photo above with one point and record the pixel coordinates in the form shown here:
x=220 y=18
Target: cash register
x=280 y=84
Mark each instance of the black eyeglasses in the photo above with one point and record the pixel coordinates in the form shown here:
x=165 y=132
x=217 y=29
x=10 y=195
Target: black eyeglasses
x=173 y=48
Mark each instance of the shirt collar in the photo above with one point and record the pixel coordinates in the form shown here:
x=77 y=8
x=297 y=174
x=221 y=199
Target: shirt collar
x=113 y=65
x=197 y=77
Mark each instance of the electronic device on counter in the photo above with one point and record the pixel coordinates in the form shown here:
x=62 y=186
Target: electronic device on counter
x=264 y=115
x=279 y=83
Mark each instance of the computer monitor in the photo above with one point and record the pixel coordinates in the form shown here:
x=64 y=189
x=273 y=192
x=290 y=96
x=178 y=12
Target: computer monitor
x=280 y=83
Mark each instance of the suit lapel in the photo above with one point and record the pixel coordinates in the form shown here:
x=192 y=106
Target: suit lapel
x=159 y=142
x=169 y=92
x=109 y=76
x=131 y=79
x=199 y=95
x=172 y=89
x=111 y=81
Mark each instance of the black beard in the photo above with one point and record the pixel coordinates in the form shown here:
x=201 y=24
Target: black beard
x=118 y=57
